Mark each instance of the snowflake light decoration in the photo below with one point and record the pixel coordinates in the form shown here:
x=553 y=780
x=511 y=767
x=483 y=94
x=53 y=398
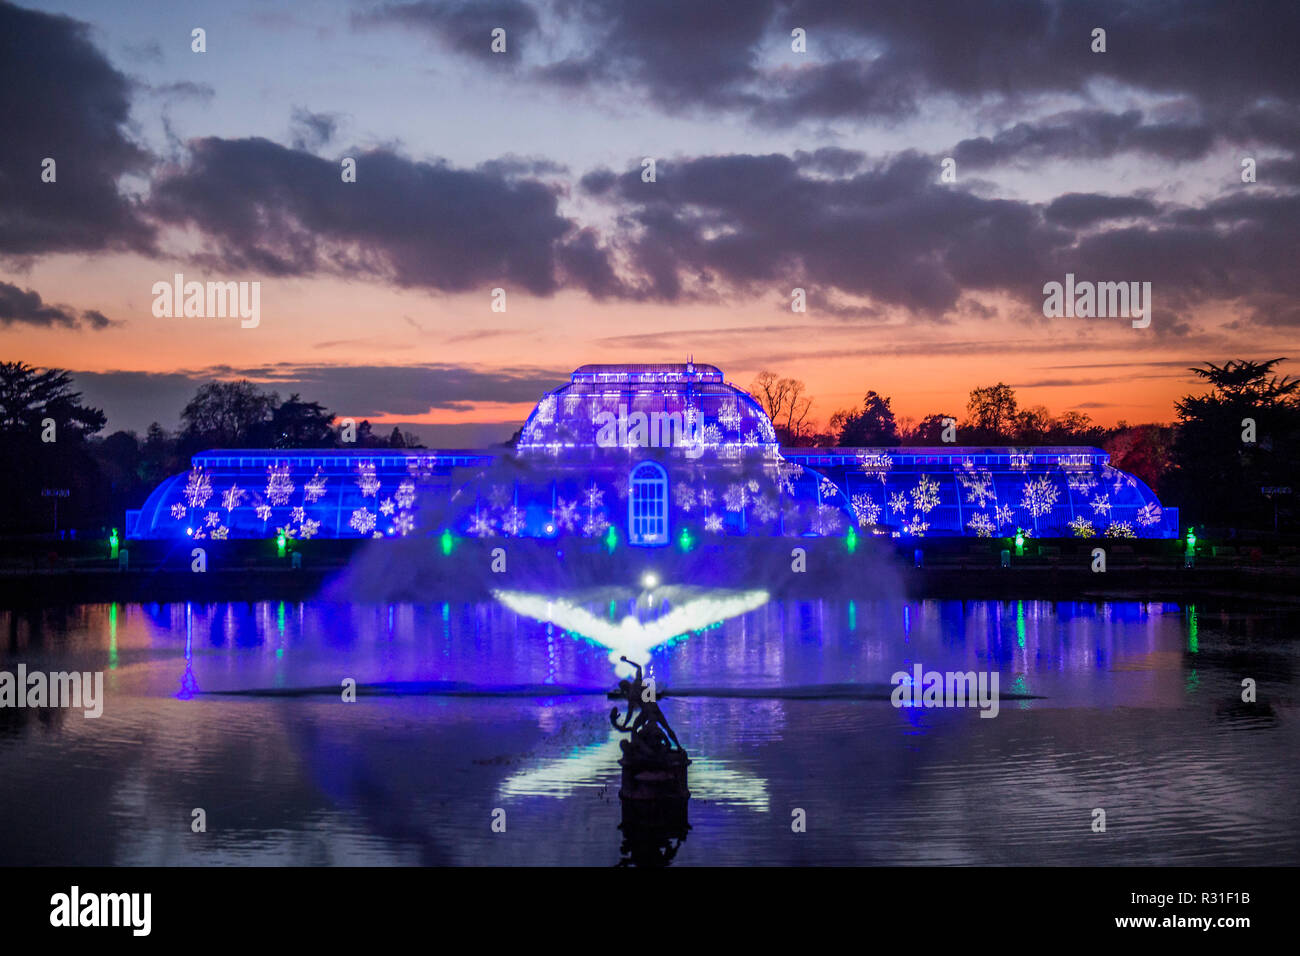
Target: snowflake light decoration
x=404 y=523
x=263 y=512
x=978 y=485
x=1004 y=514
x=898 y=502
x=765 y=509
x=220 y=533
x=981 y=524
x=593 y=497
x=866 y=510
x=405 y=496
x=1101 y=505
x=827 y=519
x=231 y=497
x=713 y=523
x=512 y=520
x=298 y=515
x=707 y=497
x=279 y=485
x=1149 y=514
x=1082 y=527
x=367 y=481
x=735 y=498
x=1120 y=529
x=786 y=473
x=212 y=519
x=178 y=511
x=1039 y=496
x=916 y=527
x=482 y=526
x=314 y=490
x=1117 y=478
x=566 y=514
x=308 y=528
x=595 y=525
x=925 y=496
x=198 y=488
x=363 y=520
x=386 y=507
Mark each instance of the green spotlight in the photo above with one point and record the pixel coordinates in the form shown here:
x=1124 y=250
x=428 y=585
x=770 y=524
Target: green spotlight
x=685 y=541
x=113 y=544
x=446 y=541
x=1020 y=543
x=851 y=541
x=279 y=544
x=611 y=539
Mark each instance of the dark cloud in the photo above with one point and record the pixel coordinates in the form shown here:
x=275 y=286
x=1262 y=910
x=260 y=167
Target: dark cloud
x=1083 y=135
x=832 y=159
x=280 y=211
x=680 y=51
x=60 y=98
x=463 y=25
x=891 y=233
x=1076 y=210
x=134 y=399
x=885 y=58
x=1014 y=50
x=1242 y=249
x=185 y=89
x=25 y=307
x=312 y=130
x=371 y=390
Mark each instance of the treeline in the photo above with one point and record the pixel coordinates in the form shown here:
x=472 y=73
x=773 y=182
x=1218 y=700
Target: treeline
x=1215 y=462
x=51 y=455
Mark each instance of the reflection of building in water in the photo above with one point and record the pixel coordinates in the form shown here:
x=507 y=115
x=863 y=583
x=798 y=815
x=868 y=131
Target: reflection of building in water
x=651 y=454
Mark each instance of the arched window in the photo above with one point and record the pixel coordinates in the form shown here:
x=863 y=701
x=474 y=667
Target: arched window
x=647 y=505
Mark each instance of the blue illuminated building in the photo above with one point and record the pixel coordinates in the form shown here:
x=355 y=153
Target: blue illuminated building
x=657 y=453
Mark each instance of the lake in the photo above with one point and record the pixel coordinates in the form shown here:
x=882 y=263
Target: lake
x=495 y=710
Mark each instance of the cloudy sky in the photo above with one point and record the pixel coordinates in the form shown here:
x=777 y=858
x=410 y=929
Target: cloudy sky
x=522 y=170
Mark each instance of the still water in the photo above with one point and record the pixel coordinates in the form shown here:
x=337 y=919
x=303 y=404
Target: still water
x=1134 y=708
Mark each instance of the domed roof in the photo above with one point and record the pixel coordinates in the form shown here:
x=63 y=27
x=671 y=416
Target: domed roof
x=666 y=406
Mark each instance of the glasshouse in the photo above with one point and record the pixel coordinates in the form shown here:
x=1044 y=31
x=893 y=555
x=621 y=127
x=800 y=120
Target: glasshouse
x=652 y=454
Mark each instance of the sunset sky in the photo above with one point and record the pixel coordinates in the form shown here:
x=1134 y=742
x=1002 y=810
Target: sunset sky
x=522 y=170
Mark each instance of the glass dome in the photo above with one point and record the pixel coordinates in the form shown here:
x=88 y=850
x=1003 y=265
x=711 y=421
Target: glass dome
x=687 y=408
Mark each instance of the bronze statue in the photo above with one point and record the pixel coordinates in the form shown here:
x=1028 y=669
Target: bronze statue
x=650 y=730
x=654 y=792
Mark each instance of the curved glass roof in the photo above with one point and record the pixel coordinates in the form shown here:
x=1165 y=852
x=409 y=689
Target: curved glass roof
x=688 y=407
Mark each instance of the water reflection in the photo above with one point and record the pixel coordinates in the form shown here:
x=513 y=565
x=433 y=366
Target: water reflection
x=594 y=765
x=1139 y=710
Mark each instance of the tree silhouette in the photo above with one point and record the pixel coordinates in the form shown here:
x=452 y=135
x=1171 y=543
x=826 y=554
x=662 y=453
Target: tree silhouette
x=1217 y=470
